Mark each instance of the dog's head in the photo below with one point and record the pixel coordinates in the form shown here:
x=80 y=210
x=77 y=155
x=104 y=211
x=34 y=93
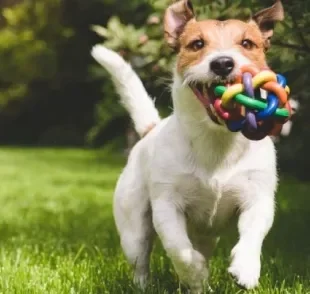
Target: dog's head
x=212 y=52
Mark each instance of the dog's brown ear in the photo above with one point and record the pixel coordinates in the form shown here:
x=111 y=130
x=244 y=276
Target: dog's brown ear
x=176 y=17
x=267 y=18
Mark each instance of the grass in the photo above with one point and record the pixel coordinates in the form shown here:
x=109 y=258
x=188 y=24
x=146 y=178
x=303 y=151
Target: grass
x=57 y=233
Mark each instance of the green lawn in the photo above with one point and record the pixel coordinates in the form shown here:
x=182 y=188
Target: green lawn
x=57 y=233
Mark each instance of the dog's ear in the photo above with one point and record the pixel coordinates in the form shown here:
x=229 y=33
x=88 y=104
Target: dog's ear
x=266 y=19
x=176 y=17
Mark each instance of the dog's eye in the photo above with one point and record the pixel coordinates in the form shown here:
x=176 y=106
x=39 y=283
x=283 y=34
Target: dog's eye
x=196 y=45
x=248 y=44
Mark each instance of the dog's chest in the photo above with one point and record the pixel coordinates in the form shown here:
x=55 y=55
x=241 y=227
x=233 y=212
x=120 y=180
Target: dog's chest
x=207 y=199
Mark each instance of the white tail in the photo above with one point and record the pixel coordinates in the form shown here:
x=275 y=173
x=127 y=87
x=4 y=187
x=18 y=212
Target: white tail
x=130 y=88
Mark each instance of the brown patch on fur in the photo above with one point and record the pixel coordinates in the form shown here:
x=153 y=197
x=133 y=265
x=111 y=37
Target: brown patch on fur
x=266 y=19
x=220 y=35
x=149 y=128
x=176 y=17
x=181 y=28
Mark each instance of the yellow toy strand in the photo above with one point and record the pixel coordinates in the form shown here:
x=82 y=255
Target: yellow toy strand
x=287 y=90
x=261 y=78
x=230 y=93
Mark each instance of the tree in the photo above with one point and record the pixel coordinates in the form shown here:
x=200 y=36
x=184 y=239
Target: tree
x=29 y=39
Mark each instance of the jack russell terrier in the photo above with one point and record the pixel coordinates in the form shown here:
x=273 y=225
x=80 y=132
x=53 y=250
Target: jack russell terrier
x=188 y=175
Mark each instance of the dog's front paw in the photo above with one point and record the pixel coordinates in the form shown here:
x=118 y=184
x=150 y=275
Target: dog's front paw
x=245 y=267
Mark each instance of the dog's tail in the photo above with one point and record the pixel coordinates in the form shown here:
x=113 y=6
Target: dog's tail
x=133 y=95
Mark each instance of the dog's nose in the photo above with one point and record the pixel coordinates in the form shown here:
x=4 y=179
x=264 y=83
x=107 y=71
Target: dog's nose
x=222 y=66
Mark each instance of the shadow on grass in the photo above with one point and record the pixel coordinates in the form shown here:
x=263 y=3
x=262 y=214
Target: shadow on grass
x=87 y=233
x=91 y=234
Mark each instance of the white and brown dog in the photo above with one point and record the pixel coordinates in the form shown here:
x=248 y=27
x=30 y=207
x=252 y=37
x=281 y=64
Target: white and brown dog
x=188 y=174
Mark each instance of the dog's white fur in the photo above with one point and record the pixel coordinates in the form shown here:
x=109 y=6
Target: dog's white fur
x=202 y=71
x=130 y=88
x=185 y=179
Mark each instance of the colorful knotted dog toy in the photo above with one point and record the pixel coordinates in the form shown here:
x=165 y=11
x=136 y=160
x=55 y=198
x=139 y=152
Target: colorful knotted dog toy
x=242 y=108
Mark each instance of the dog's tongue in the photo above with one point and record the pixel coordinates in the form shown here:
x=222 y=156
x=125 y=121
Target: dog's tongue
x=201 y=96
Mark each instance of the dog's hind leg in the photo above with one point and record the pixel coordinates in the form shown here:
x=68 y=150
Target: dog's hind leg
x=137 y=241
x=133 y=219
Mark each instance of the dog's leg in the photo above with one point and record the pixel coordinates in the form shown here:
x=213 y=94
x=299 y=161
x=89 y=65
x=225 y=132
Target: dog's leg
x=133 y=218
x=256 y=218
x=170 y=224
x=137 y=241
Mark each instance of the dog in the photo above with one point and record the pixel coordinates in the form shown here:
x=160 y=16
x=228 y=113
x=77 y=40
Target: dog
x=188 y=175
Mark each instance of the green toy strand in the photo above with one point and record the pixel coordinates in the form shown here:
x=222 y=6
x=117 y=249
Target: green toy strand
x=252 y=103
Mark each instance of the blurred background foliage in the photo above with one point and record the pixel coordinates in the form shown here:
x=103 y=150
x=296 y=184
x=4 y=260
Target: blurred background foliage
x=53 y=93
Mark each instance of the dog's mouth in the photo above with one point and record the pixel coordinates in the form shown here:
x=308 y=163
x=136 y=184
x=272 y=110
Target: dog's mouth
x=205 y=94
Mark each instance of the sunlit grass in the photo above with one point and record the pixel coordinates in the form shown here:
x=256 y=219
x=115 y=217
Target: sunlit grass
x=57 y=233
